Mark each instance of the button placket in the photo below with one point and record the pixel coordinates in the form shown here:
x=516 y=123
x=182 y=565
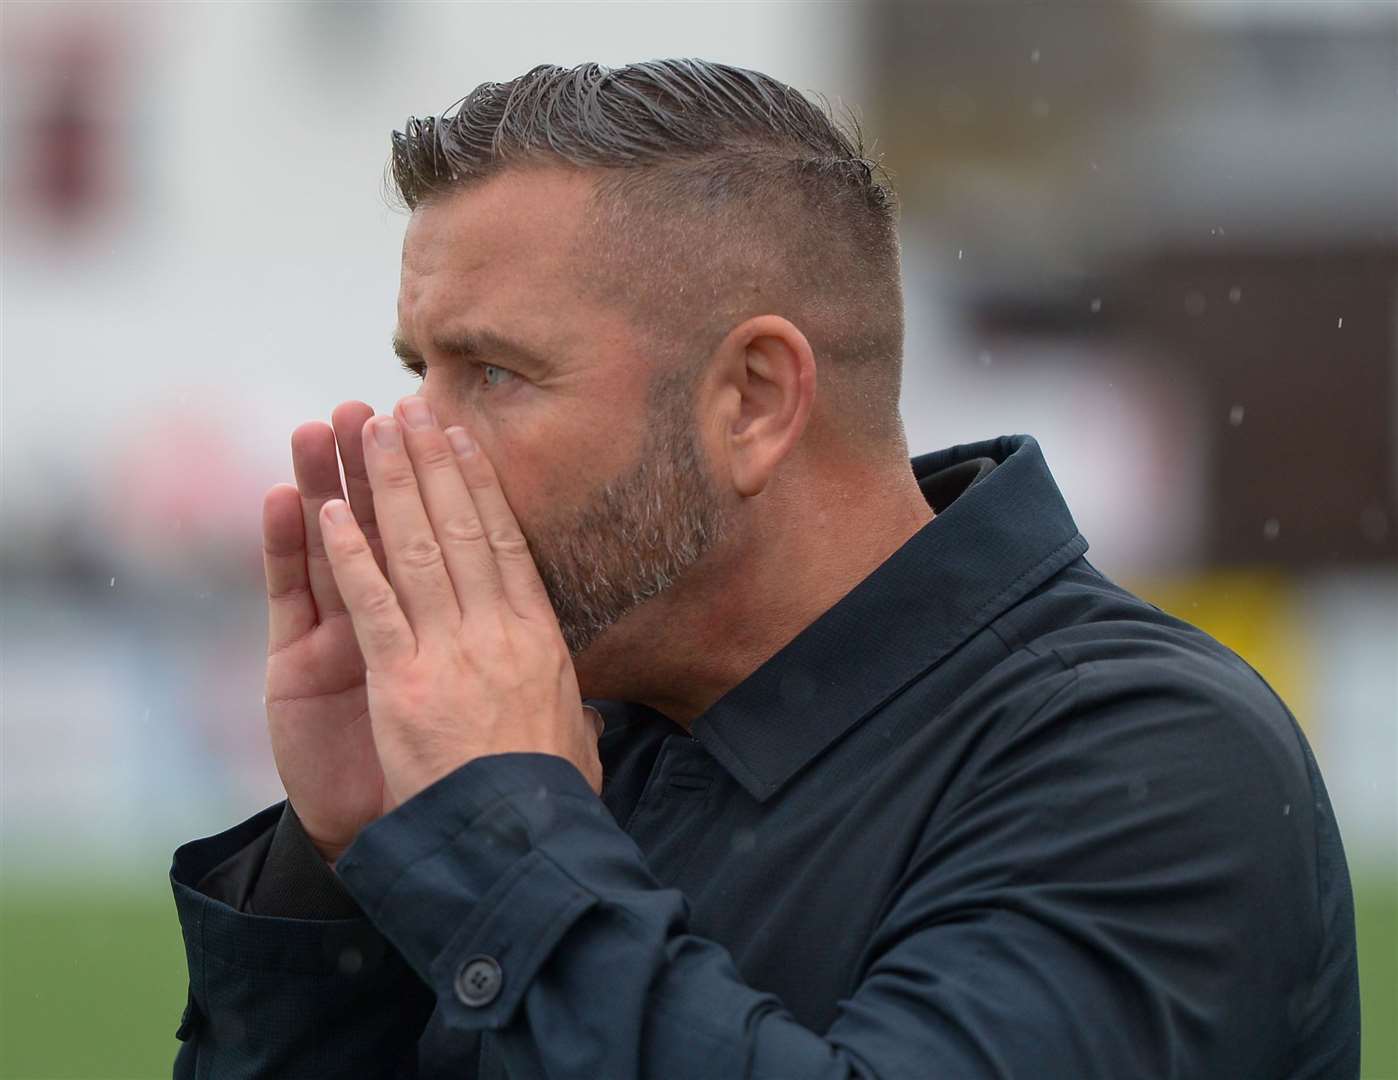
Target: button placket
x=653 y=792
x=689 y=770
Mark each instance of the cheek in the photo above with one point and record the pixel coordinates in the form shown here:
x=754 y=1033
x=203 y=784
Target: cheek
x=552 y=480
x=532 y=473
x=552 y=459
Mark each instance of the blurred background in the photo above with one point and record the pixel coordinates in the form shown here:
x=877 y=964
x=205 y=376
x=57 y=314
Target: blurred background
x=1160 y=237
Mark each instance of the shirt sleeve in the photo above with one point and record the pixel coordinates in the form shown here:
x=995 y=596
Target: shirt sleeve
x=277 y=996
x=281 y=873
x=1109 y=893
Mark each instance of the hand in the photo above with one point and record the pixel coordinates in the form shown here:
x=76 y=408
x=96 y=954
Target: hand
x=317 y=702
x=464 y=654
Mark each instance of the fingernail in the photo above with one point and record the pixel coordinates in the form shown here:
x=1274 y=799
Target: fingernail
x=462 y=443
x=418 y=412
x=386 y=432
x=337 y=512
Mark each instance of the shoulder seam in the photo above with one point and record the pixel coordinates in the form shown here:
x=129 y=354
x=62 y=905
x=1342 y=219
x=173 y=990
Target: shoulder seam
x=1071 y=686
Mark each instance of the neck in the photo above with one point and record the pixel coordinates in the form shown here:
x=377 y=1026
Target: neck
x=789 y=560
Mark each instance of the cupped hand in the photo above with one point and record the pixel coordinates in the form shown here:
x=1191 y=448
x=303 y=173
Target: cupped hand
x=317 y=701
x=464 y=656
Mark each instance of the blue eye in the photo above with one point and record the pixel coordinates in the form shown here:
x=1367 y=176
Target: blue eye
x=488 y=368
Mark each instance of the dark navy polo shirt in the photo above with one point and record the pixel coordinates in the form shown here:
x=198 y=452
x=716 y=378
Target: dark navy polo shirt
x=990 y=815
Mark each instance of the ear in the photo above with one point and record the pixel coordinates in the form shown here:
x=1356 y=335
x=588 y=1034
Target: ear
x=766 y=383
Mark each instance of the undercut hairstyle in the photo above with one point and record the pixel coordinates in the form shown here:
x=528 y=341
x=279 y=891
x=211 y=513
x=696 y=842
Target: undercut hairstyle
x=720 y=193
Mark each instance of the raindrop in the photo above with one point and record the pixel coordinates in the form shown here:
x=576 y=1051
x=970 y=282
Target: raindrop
x=1194 y=302
x=1235 y=415
x=1271 y=529
x=1096 y=303
x=111 y=584
x=1286 y=810
x=1034 y=56
x=1341 y=324
x=959 y=253
x=1235 y=294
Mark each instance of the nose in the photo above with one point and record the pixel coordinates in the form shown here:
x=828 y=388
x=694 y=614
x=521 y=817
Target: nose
x=441 y=408
x=447 y=411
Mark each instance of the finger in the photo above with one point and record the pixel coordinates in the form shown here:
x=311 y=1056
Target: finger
x=318 y=479
x=466 y=550
x=519 y=576
x=291 y=612
x=414 y=555
x=380 y=626
x=348 y=420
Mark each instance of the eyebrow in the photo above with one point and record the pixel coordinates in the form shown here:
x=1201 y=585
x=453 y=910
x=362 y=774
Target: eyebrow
x=473 y=344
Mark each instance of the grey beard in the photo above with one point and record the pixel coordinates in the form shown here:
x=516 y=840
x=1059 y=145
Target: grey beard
x=634 y=539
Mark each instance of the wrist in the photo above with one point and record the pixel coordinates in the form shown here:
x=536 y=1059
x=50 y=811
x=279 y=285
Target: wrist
x=329 y=852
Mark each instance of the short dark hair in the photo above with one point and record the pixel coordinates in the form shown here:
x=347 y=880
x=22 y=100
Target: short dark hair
x=721 y=193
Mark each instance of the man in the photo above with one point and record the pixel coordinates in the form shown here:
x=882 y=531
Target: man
x=643 y=711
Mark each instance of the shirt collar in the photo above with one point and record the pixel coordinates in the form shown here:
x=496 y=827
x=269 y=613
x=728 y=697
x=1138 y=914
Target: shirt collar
x=1002 y=528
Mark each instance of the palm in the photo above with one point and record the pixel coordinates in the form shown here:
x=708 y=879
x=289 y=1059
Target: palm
x=318 y=721
x=317 y=703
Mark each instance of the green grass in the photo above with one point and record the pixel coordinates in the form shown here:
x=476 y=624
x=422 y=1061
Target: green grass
x=93 y=987
x=89 y=986
x=1376 y=920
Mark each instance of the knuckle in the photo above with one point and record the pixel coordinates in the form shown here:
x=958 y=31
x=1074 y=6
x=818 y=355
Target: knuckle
x=462 y=530
x=349 y=547
x=509 y=542
x=289 y=592
x=382 y=635
x=437 y=457
x=379 y=603
x=421 y=553
x=398 y=478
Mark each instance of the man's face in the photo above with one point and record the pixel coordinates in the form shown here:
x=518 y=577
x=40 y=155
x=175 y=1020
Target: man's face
x=610 y=485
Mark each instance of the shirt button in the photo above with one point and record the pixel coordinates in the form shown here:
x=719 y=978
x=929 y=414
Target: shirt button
x=478 y=981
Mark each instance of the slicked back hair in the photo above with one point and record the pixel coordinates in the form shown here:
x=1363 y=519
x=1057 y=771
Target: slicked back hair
x=720 y=193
